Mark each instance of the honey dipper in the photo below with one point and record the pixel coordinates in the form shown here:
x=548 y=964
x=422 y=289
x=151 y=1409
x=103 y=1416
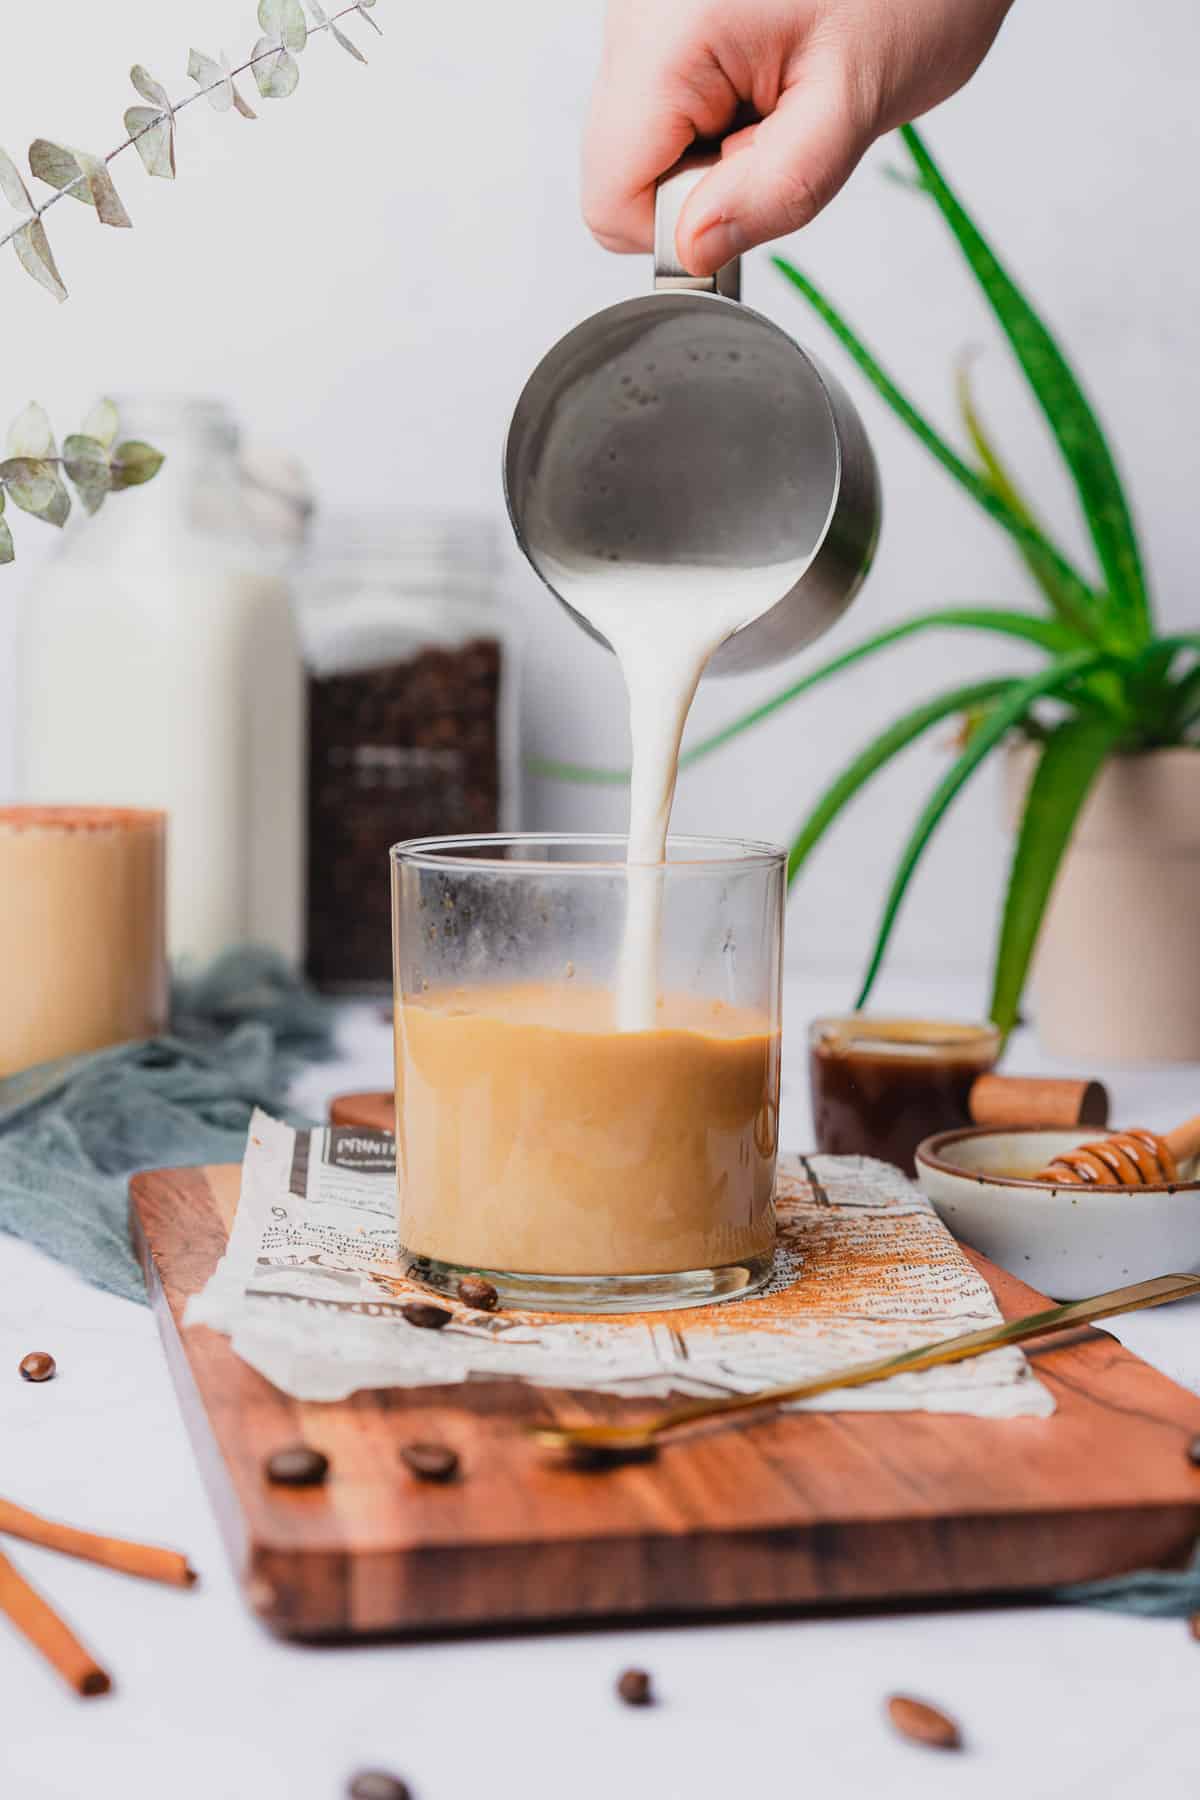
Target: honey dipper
x=1127 y=1159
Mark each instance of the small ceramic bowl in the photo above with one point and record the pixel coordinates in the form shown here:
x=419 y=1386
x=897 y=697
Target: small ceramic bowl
x=1067 y=1242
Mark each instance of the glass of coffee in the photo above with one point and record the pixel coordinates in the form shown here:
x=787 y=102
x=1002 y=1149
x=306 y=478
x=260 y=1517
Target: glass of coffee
x=880 y=1086
x=587 y=1068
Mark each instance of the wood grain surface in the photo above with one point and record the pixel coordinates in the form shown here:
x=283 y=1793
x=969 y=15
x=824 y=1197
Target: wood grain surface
x=805 y=1509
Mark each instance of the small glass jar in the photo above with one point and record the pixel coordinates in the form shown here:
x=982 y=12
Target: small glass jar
x=881 y=1086
x=411 y=696
x=577 y=1166
x=158 y=667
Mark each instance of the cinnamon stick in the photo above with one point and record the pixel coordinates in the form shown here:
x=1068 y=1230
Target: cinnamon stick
x=38 y=1622
x=1031 y=1100
x=146 y=1560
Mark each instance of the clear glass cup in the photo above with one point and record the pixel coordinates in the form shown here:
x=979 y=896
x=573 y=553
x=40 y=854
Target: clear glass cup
x=578 y=1167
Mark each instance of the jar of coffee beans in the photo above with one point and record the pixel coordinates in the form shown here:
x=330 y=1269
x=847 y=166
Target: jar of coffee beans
x=410 y=687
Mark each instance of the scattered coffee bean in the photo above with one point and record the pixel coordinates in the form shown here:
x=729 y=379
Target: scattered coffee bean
x=377 y=1784
x=430 y=1462
x=1193 y=1451
x=635 y=1688
x=39 y=1365
x=923 y=1724
x=297 y=1466
x=429 y=1318
x=1194 y=1625
x=474 y=1291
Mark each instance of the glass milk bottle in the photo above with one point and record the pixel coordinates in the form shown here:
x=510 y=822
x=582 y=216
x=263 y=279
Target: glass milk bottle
x=411 y=689
x=158 y=667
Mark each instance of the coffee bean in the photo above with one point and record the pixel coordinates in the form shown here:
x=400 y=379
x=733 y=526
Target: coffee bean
x=429 y=1318
x=1194 y=1625
x=430 y=1462
x=474 y=1291
x=635 y=1688
x=39 y=1365
x=297 y=1466
x=923 y=1724
x=377 y=1784
x=1193 y=1452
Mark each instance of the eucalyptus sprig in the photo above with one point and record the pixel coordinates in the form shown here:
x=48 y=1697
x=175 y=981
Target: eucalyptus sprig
x=93 y=461
x=151 y=127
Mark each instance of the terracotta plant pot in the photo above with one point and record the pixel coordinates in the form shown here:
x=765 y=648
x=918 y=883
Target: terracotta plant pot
x=1116 y=975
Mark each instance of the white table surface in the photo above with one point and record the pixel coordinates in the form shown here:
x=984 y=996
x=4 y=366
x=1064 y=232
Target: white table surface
x=1054 y=1702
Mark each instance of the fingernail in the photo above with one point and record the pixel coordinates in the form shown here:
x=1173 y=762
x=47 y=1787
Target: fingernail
x=715 y=244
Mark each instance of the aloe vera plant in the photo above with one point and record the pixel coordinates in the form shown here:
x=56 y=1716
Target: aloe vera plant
x=1115 y=686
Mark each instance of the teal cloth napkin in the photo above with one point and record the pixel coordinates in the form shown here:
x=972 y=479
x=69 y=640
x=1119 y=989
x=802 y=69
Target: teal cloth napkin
x=73 y=1132
x=1152 y=1593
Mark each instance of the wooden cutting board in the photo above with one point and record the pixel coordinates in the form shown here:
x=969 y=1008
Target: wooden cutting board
x=802 y=1509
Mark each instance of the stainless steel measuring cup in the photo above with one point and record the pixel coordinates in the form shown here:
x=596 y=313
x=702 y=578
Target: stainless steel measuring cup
x=682 y=427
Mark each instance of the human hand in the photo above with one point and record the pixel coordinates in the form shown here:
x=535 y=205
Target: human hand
x=824 y=77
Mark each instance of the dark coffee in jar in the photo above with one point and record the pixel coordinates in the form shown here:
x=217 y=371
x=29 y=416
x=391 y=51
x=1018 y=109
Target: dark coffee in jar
x=880 y=1086
x=405 y=750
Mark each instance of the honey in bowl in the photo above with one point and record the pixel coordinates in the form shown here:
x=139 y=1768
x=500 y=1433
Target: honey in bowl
x=880 y=1086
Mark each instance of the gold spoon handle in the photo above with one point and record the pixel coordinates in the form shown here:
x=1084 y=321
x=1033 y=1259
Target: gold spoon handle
x=950 y=1350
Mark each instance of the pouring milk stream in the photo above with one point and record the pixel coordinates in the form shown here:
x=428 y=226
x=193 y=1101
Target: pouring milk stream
x=697 y=491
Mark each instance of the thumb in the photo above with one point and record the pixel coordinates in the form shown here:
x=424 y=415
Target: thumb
x=778 y=177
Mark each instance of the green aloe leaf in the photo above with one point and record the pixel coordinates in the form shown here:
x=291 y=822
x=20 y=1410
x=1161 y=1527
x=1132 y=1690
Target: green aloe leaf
x=1061 y=398
x=1045 y=633
x=1069 y=763
x=1004 y=714
x=880 y=751
x=1079 y=605
x=1039 y=565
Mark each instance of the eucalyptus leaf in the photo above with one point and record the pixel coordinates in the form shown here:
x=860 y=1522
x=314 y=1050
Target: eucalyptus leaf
x=31 y=433
x=35 y=256
x=30 y=482
x=153 y=137
x=133 y=463
x=7 y=553
x=101 y=424
x=276 y=71
x=361 y=9
x=339 y=37
x=149 y=88
x=243 y=106
x=285 y=21
x=86 y=462
x=347 y=44
x=12 y=184
x=83 y=176
x=58 y=511
x=214 y=80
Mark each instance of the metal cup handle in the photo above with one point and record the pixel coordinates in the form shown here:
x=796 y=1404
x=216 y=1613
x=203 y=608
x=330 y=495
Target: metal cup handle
x=670 y=195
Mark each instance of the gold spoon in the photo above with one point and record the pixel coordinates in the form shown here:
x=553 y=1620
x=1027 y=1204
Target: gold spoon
x=598 y=1443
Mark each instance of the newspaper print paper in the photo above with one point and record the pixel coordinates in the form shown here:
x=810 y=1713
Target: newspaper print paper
x=312 y=1282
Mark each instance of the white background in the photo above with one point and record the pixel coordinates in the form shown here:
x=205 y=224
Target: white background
x=369 y=272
